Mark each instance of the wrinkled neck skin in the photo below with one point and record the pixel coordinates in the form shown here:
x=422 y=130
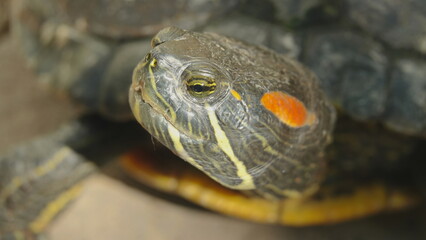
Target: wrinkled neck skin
x=273 y=148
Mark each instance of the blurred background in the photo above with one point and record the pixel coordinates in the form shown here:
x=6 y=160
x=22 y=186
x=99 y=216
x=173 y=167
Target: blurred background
x=44 y=47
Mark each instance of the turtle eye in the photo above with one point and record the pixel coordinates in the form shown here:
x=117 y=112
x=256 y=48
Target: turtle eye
x=200 y=86
x=203 y=82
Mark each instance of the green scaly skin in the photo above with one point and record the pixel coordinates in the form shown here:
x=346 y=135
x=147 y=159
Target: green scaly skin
x=238 y=143
x=40 y=178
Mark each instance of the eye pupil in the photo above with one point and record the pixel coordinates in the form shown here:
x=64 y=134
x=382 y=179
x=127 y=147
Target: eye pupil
x=197 y=88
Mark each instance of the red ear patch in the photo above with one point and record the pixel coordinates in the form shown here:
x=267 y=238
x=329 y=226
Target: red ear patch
x=287 y=109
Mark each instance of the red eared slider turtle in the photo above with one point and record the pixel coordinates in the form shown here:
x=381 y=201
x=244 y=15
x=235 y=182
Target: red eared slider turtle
x=252 y=120
x=257 y=122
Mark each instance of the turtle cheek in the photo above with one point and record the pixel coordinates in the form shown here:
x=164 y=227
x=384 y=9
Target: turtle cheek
x=206 y=156
x=192 y=121
x=156 y=87
x=235 y=115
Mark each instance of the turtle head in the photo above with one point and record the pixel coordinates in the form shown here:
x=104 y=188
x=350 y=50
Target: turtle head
x=177 y=89
x=224 y=107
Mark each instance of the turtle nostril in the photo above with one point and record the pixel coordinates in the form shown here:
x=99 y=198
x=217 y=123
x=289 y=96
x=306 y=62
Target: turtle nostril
x=138 y=93
x=137 y=88
x=155 y=42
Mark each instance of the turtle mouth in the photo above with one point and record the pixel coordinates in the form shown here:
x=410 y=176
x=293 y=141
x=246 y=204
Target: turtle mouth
x=143 y=107
x=148 y=109
x=144 y=94
x=148 y=112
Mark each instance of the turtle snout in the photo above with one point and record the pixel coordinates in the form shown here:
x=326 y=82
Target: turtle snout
x=167 y=34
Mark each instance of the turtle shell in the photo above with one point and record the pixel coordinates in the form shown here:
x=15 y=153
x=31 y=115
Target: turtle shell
x=374 y=72
x=136 y=19
x=70 y=36
x=87 y=50
x=368 y=56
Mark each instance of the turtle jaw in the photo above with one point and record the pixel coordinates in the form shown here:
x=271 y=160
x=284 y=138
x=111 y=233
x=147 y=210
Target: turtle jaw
x=173 y=136
x=145 y=110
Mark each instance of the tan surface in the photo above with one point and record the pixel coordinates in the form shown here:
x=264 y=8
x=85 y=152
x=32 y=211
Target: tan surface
x=109 y=209
x=126 y=213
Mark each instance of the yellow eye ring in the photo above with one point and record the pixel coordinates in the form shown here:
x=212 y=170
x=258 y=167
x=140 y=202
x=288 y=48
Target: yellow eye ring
x=200 y=86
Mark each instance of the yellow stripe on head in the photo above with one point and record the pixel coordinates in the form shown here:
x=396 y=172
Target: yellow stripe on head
x=180 y=150
x=175 y=136
x=224 y=144
x=154 y=87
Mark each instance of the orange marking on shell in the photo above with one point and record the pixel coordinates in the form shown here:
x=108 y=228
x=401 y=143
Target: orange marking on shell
x=288 y=109
x=236 y=94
